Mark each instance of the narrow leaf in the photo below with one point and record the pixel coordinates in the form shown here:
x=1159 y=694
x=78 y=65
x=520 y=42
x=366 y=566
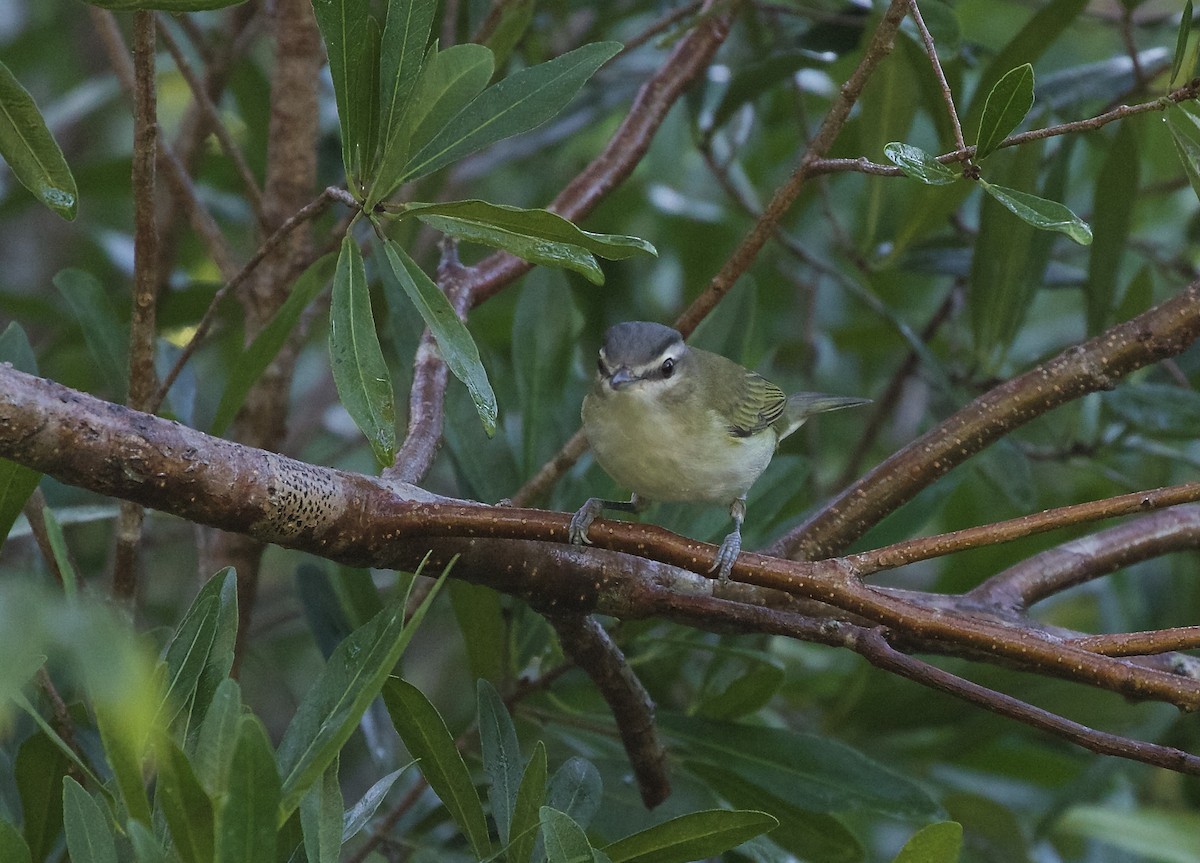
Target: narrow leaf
x=184 y=804
x=425 y=735
x=1116 y=194
x=39 y=771
x=321 y=818
x=12 y=846
x=523 y=832
x=17 y=482
x=401 y=56
x=1183 y=122
x=357 y=816
x=217 y=738
x=31 y=151
x=576 y=789
x=186 y=654
x=1146 y=833
x=501 y=756
x=454 y=340
x=146 y=847
x=345 y=687
x=1006 y=106
x=934 y=843
x=565 y=841
x=448 y=82
x=1042 y=214
x=691 y=837
x=246 y=824
x=345 y=27
x=90 y=837
x=1185 y=29
x=359 y=371
x=520 y=102
x=222 y=588
x=125 y=749
x=919 y=165
x=255 y=359
x=102 y=332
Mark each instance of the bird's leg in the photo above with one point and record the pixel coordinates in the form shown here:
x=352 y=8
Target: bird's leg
x=731 y=547
x=590 y=511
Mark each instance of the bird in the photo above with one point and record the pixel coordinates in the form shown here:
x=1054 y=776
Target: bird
x=671 y=422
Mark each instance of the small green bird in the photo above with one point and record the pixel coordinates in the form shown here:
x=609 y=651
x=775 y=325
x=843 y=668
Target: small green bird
x=674 y=423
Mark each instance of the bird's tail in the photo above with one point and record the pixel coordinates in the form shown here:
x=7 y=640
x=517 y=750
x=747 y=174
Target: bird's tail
x=803 y=405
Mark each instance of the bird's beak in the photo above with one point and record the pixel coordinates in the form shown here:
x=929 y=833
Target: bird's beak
x=621 y=377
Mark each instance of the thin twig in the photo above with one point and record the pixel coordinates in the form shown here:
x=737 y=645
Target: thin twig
x=947 y=96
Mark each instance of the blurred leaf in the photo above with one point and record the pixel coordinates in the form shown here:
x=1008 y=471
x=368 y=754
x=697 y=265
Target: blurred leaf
x=346 y=28
x=359 y=371
x=254 y=360
x=357 y=816
x=335 y=702
x=514 y=17
x=321 y=818
x=479 y=613
x=1152 y=834
x=71 y=755
x=576 y=789
x=690 y=837
x=172 y=6
x=760 y=677
x=448 y=81
x=39 y=772
x=125 y=748
x=401 y=57
x=17 y=482
x=12 y=847
x=812 y=772
x=520 y=102
x=248 y=816
x=757 y=77
x=1006 y=106
x=919 y=165
x=146 y=848
x=943 y=25
x=1112 y=215
x=105 y=336
x=934 y=843
x=454 y=340
x=1070 y=90
x=1183 y=121
x=62 y=554
x=217 y=738
x=523 y=834
x=1157 y=409
x=30 y=150
x=502 y=760
x=90 y=837
x=808 y=835
x=1042 y=214
x=564 y=840
x=425 y=735
x=184 y=804
x=1185 y=29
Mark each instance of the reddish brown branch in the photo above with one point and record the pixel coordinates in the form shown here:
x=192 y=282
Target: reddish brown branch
x=1149 y=643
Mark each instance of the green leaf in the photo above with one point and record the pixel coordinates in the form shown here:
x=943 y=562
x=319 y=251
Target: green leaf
x=514 y=18
x=125 y=748
x=523 y=832
x=454 y=340
x=749 y=691
x=934 y=843
x=103 y=333
x=425 y=735
x=753 y=79
x=501 y=756
x=90 y=837
x=247 y=817
x=1042 y=214
x=346 y=28
x=146 y=848
x=65 y=748
x=39 y=771
x=448 y=82
x=222 y=588
x=12 y=847
x=919 y=165
x=1183 y=122
x=17 y=482
x=1161 y=410
x=184 y=804
x=321 y=818
x=520 y=102
x=1185 y=29
x=694 y=836
x=401 y=57
x=1112 y=215
x=334 y=704
x=360 y=813
x=173 y=6
x=810 y=771
x=576 y=789
x=217 y=738
x=31 y=151
x=564 y=840
x=478 y=612
x=1151 y=834
x=186 y=655
x=254 y=360
x=1006 y=106
x=359 y=371
x=544 y=252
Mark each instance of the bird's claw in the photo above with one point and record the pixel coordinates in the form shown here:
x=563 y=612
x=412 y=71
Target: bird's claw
x=582 y=520
x=730 y=548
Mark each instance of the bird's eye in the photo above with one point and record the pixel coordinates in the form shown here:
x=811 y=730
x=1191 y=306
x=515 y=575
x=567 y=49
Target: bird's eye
x=668 y=367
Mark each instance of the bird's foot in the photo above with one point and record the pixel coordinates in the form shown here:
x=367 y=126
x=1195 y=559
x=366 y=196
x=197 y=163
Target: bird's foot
x=582 y=520
x=730 y=548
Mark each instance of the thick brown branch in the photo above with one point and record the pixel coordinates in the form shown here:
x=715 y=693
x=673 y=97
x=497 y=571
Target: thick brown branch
x=1163 y=331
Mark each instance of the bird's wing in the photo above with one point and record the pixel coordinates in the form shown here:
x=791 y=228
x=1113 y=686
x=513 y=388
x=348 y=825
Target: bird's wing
x=760 y=405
